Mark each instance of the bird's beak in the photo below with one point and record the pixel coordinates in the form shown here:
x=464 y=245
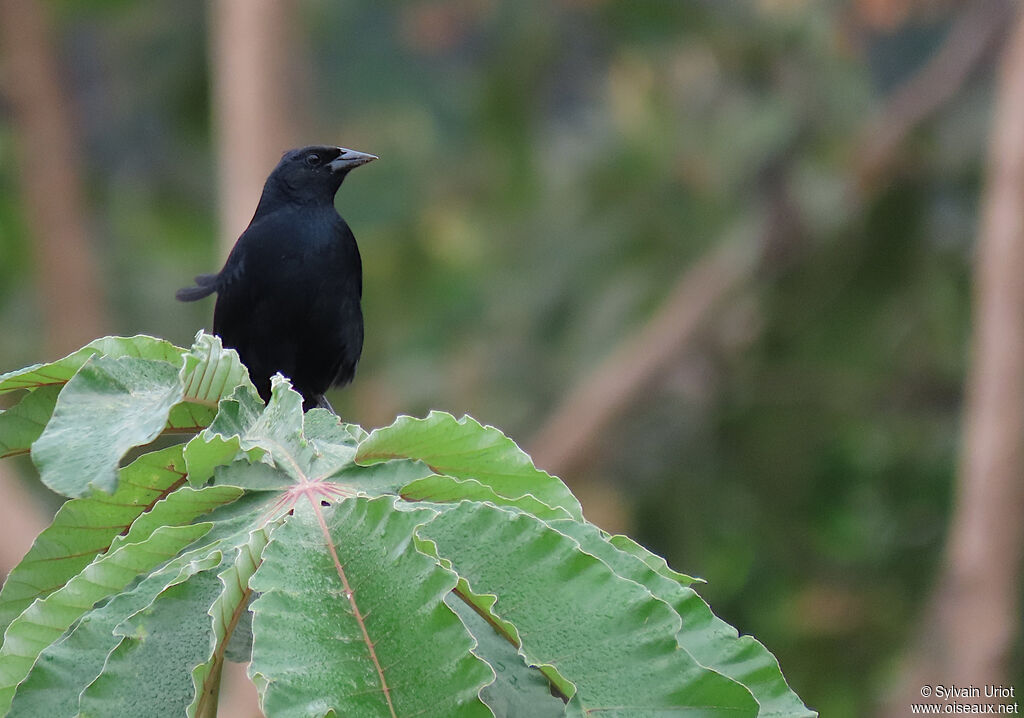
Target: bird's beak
x=349 y=159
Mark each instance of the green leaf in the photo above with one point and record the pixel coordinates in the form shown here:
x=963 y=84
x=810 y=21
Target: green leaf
x=273 y=447
x=24 y=422
x=331 y=634
x=604 y=633
x=227 y=610
x=711 y=641
x=189 y=417
x=482 y=605
x=46 y=619
x=253 y=476
x=84 y=528
x=60 y=371
x=108 y=407
x=274 y=436
x=211 y=374
x=179 y=508
x=445 y=489
x=225 y=438
x=379 y=479
x=278 y=430
x=67 y=667
x=320 y=424
x=165 y=640
x=654 y=562
x=464 y=449
x=216 y=373
x=331 y=440
x=518 y=689
x=470 y=557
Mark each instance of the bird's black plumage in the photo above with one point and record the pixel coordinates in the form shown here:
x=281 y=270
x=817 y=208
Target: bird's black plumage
x=288 y=296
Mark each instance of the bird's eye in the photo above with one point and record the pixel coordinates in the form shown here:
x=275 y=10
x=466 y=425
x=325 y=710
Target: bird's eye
x=312 y=159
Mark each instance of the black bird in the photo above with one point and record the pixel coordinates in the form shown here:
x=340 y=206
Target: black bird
x=288 y=295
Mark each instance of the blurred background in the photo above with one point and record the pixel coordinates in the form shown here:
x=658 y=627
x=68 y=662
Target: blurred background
x=748 y=275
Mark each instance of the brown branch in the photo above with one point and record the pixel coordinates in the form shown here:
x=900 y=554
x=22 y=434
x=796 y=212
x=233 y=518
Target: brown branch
x=50 y=175
x=974 y=616
x=238 y=693
x=975 y=33
x=21 y=520
x=576 y=425
x=574 y=429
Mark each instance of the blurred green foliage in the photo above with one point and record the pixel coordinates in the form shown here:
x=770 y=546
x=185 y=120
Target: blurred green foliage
x=548 y=170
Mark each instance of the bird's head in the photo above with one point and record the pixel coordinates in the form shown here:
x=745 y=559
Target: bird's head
x=314 y=173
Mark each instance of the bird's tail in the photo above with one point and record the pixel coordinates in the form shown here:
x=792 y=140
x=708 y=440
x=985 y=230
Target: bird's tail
x=206 y=284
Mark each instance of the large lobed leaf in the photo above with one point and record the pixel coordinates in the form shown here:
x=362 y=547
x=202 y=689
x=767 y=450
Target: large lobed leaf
x=426 y=568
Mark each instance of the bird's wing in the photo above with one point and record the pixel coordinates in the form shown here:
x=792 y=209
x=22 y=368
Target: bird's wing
x=288 y=300
x=246 y=316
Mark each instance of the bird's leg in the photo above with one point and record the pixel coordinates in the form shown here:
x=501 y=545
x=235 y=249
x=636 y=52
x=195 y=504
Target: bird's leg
x=318 y=401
